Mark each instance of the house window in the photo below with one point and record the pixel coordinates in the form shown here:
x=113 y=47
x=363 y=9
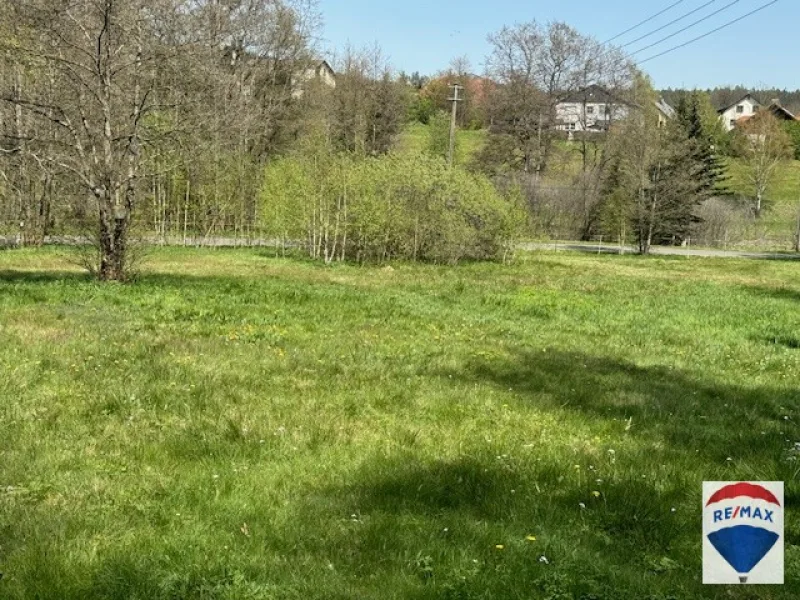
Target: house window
x=740 y=109
x=590 y=110
x=572 y=126
x=733 y=122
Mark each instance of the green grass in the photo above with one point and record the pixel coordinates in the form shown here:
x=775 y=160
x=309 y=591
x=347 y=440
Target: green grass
x=416 y=138
x=236 y=426
x=785 y=188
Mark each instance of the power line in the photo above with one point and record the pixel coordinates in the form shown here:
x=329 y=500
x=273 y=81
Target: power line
x=712 y=32
x=668 y=37
x=687 y=28
x=670 y=24
x=645 y=22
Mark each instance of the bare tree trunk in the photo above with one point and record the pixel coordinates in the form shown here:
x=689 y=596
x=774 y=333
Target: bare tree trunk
x=797 y=232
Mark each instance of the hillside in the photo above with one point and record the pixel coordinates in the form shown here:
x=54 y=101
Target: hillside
x=416 y=138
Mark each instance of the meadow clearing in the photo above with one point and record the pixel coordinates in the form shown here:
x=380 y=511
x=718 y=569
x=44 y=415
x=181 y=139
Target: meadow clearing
x=234 y=425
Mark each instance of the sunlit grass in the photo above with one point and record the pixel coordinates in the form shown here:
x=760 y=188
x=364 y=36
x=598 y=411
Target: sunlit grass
x=415 y=139
x=238 y=426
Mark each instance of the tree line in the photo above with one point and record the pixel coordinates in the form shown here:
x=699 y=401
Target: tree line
x=193 y=118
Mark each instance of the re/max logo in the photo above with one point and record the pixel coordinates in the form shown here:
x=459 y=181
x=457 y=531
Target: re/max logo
x=744 y=512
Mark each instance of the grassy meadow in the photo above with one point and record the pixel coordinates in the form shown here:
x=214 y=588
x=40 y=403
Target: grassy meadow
x=778 y=225
x=416 y=139
x=236 y=426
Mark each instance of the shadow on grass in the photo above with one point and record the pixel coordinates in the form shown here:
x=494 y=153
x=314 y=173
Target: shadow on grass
x=776 y=293
x=460 y=529
x=714 y=420
x=440 y=521
x=787 y=341
x=456 y=528
x=42 y=277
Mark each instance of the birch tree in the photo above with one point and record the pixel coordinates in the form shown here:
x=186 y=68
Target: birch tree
x=764 y=146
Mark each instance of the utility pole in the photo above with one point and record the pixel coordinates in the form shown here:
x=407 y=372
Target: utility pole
x=455 y=100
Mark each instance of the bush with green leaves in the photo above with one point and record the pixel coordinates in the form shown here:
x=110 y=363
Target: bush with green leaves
x=793 y=130
x=343 y=207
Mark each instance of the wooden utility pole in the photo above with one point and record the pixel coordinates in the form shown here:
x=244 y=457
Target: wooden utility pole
x=455 y=100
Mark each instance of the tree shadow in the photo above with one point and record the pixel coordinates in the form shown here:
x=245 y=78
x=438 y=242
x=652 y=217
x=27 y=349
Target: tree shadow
x=691 y=416
x=8 y=276
x=787 y=341
x=458 y=525
x=781 y=293
x=460 y=528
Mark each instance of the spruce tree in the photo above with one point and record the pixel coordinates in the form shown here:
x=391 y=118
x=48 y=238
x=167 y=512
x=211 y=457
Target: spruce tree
x=712 y=170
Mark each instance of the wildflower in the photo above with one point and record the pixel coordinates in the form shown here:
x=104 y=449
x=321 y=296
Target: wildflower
x=531 y=538
x=543 y=559
x=499 y=547
x=582 y=505
x=596 y=494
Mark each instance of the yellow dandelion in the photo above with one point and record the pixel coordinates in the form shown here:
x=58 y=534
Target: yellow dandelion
x=499 y=547
x=596 y=494
x=531 y=538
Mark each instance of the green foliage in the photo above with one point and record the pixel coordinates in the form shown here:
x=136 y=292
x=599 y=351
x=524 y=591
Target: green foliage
x=660 y=174
x=421 y=109
x=616 y=211
x=793 y=131
x=499 y=156
x=701 y=126
x=392 y=207
x=763 y=146
x=439 y=135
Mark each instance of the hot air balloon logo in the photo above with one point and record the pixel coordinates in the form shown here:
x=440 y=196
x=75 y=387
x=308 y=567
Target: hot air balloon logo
x=743 y=531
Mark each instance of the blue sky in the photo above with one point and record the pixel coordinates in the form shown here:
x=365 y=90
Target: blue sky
x=424 y=35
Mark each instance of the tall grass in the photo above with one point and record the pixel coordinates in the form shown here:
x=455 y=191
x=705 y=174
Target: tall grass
x=238 y=426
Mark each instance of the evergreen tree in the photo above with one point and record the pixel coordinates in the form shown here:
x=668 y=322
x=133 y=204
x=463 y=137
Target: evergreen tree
x=655 y=180
x=692 y=116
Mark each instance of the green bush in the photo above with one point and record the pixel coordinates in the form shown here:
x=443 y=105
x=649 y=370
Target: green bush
x=439 y=135
x=392 y=207
x=793 y=129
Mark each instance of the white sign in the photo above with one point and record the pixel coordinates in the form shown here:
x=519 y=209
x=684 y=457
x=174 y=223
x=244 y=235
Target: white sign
x=743 y=532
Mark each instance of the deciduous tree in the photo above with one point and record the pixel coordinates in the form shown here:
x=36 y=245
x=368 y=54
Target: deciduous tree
x=764 y=146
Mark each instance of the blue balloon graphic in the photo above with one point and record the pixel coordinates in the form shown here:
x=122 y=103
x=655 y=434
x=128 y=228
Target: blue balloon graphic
x=743 y=546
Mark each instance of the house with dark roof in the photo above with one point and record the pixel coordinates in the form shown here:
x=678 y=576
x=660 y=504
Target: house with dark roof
x=745 y=107
x=737 y=114
x=594 y=109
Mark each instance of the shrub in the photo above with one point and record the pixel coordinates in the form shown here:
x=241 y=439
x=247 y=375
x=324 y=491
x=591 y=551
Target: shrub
x=793 y=129
x=392 y=207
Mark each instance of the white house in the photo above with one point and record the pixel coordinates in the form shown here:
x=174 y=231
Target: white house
x=591 y=109
x=746 y=107
x=594 y=109
x=739 y=113
x=320 y=71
